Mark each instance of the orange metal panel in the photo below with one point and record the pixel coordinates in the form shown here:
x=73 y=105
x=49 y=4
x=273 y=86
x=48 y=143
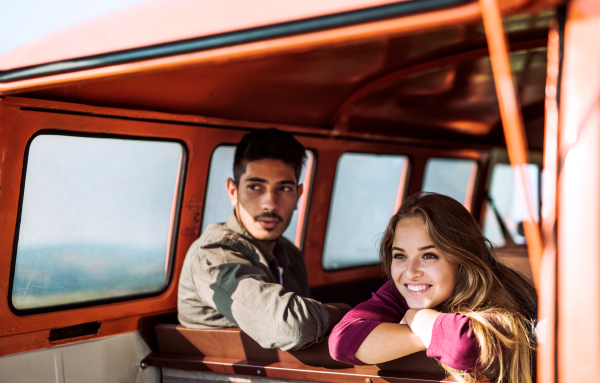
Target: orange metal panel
x=514 y=130
x=357 y=33
x=578 y=339
x=161 y=21
x=546 y=368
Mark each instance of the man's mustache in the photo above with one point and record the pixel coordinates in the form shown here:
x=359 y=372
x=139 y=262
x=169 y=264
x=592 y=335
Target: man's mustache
x=268 y=214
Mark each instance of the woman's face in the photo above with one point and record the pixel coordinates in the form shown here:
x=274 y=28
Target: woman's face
x=422 y=273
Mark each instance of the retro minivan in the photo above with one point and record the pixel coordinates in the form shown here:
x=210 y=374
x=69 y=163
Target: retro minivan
x=117 y=136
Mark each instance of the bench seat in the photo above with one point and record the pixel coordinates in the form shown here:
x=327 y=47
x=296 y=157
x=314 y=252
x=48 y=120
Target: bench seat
x=231 y=351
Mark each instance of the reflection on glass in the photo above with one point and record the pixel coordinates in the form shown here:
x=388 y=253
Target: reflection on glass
x=218 y=206
x=451 y=177
x=509 y=204
x=95 y=220
x=364 y=196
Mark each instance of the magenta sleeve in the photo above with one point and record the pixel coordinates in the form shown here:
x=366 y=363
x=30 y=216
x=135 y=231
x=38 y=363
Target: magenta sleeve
x=386 y=306
x=454 y=344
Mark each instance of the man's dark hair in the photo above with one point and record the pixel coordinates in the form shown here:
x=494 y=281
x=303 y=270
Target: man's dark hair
x=268 y=144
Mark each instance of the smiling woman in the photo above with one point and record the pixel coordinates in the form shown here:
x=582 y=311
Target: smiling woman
x=448 y=294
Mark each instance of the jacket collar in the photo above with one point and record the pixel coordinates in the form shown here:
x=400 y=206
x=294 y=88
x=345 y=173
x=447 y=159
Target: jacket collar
x=234 y=224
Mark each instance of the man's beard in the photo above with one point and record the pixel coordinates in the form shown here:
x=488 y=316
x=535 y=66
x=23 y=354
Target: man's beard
x=266 y=214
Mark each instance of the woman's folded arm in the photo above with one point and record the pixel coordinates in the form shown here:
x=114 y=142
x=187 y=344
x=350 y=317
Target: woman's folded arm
x=371 y=333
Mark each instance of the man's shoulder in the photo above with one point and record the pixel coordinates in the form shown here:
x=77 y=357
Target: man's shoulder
x=215 y=234
x=219 y=235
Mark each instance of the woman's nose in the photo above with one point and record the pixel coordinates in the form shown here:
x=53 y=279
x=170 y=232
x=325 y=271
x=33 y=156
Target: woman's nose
x=413 y=269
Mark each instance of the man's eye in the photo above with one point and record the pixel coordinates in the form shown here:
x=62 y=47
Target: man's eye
x=286 y=189
x=430 y=256
x=253 y=187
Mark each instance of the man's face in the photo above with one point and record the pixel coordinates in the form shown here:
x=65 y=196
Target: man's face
x=265 y=198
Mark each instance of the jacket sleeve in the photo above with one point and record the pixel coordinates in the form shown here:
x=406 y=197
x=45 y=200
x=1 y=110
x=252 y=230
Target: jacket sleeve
x=386 y=306
x=454 y=343
x=265 y=311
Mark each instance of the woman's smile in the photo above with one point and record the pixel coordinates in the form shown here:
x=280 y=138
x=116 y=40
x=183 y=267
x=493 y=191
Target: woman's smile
x=417 y=289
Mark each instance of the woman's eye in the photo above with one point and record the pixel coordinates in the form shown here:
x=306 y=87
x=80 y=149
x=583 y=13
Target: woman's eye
x=398 y=256
x=430 y=256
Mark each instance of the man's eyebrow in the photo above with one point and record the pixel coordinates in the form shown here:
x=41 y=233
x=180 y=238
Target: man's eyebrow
x=420 y=249
x=287 y=182
x=255 y=179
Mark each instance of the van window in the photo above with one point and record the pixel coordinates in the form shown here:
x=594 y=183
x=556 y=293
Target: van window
x=452 y=177
x=368 y=188
x=505 y=207
x=217 y=206
x=96 y=219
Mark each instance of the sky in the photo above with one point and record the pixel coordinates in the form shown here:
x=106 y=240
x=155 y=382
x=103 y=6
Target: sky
x=26 y=20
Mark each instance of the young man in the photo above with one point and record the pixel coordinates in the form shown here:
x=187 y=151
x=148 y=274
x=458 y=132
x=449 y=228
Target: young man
x=243 y=273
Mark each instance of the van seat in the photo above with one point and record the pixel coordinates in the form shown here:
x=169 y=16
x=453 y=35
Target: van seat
x=231 y=351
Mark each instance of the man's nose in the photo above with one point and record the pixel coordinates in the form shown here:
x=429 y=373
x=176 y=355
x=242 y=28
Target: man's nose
x=413 y=269
x=269 y=200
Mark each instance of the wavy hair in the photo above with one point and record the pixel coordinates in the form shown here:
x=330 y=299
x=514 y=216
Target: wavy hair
x=500 y=302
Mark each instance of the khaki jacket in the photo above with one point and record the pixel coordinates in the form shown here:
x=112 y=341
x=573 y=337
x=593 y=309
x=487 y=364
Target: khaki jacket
x=227 y=281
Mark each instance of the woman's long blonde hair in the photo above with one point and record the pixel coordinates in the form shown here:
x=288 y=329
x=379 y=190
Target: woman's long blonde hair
x=500 y=302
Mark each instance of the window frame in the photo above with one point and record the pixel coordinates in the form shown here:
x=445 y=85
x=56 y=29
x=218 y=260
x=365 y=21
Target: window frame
x=401 y=193
x=471 y=183
x=500 y=157
x=172 y=235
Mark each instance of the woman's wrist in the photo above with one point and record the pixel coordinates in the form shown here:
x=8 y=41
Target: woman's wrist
x=421 y=323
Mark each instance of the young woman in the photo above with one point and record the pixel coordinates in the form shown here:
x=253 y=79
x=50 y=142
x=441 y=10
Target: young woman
x=448 y=294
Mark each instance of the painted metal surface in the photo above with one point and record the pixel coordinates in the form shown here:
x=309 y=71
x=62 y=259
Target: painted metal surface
x=136 y=26
x=112 y=359
x=514 y=131
x=546 y=369
x=578 y=213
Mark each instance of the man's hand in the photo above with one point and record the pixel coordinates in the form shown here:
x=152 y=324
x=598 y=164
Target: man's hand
x=336 y=312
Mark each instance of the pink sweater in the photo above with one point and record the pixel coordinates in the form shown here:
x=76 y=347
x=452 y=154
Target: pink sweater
x=452 y=342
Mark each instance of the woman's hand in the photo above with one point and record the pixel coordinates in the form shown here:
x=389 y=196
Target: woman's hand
x=421 y=323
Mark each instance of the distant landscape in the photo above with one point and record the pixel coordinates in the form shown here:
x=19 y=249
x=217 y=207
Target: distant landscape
x=55 y=275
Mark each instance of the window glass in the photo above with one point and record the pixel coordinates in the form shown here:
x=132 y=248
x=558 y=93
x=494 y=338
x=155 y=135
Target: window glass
x=96 y=219
x=218 y=205
x=505 y=207
x=452 y=177
x=366 y=192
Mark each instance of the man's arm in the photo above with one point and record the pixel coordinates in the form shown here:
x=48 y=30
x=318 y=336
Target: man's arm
x=269 y=314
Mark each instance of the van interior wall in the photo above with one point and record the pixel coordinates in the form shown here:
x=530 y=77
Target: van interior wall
x=423 y=96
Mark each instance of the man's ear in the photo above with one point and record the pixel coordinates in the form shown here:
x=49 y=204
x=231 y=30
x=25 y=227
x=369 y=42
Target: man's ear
x=232 y=191
x=300 y=191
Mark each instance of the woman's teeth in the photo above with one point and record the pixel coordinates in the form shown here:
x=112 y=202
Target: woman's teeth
x=417 y=287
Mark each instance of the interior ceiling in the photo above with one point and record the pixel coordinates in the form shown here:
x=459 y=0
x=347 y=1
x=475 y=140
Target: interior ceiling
x=455 y=99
